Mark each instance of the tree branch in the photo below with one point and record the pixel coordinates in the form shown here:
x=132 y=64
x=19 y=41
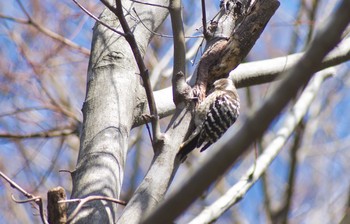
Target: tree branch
x=56 y=132
x=179 y=85
x=46 y=31
x=204 y=19
x=259 y=72
x=254 y=126
x=31 y=198
x=97 y=19
x=255 y=73
x=236 y=25
x=281 y=215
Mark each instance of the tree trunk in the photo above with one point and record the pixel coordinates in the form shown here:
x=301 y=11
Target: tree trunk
x=113 y=92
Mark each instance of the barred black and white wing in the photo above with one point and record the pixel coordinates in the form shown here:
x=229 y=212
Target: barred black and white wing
x=223 y=112
x=218 y=111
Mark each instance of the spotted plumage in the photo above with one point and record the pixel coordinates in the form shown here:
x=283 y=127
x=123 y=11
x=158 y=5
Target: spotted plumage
x=214 y=115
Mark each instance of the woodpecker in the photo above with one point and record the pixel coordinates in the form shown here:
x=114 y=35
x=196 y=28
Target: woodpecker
x=213 y=116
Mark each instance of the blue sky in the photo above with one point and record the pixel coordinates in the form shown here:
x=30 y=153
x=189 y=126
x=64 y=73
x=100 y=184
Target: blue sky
x=318 y=161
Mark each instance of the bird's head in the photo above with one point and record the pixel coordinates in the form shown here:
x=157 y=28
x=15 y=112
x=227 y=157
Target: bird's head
x=224 y=84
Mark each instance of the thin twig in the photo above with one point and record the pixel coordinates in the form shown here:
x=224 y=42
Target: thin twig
x=31 y=198
x=282 y=213
x=148 y=128
x=97 y=19
x=159 y=34
x=150 y=4
x=45 y=90
x=34 y=67
x=23 y=9
x=23 y=110
x=35 y=199
x=65 y=171
x=48 y=33
x=144 y=25
x=15 y=185
x=56 y=132
x=204 y=19
x=13 y=19
x=265 y=189
x=82 y=201
x=52 y=165
x=110 y=7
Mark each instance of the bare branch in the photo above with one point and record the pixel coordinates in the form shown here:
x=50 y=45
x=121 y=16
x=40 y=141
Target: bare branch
x=179 y=85
x=144 y=25
x=264 y=71
x=164 y=62
x=258 y=72
x=49 y=33
x=204 y=19
x=31 y=198
x=16 y=186
x=97 y=19
x=159 y=34
x=55 y=132
x=23 y=110
x=254 y=126
x=149 y=132
x=150 y=4
x=13 y=19
x=56 y=104
x=46 y=31
x=281 y=215
x=65 y=171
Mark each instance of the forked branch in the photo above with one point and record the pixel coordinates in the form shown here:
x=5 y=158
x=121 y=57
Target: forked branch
x=31 y=198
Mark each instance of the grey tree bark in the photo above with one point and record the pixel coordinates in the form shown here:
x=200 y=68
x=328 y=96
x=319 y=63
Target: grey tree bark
x=113 y=91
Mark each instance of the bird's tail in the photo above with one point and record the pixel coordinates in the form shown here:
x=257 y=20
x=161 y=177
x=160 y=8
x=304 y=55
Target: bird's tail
x=187 y=147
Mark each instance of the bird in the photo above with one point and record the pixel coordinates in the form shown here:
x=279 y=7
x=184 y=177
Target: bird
x=213 y=116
